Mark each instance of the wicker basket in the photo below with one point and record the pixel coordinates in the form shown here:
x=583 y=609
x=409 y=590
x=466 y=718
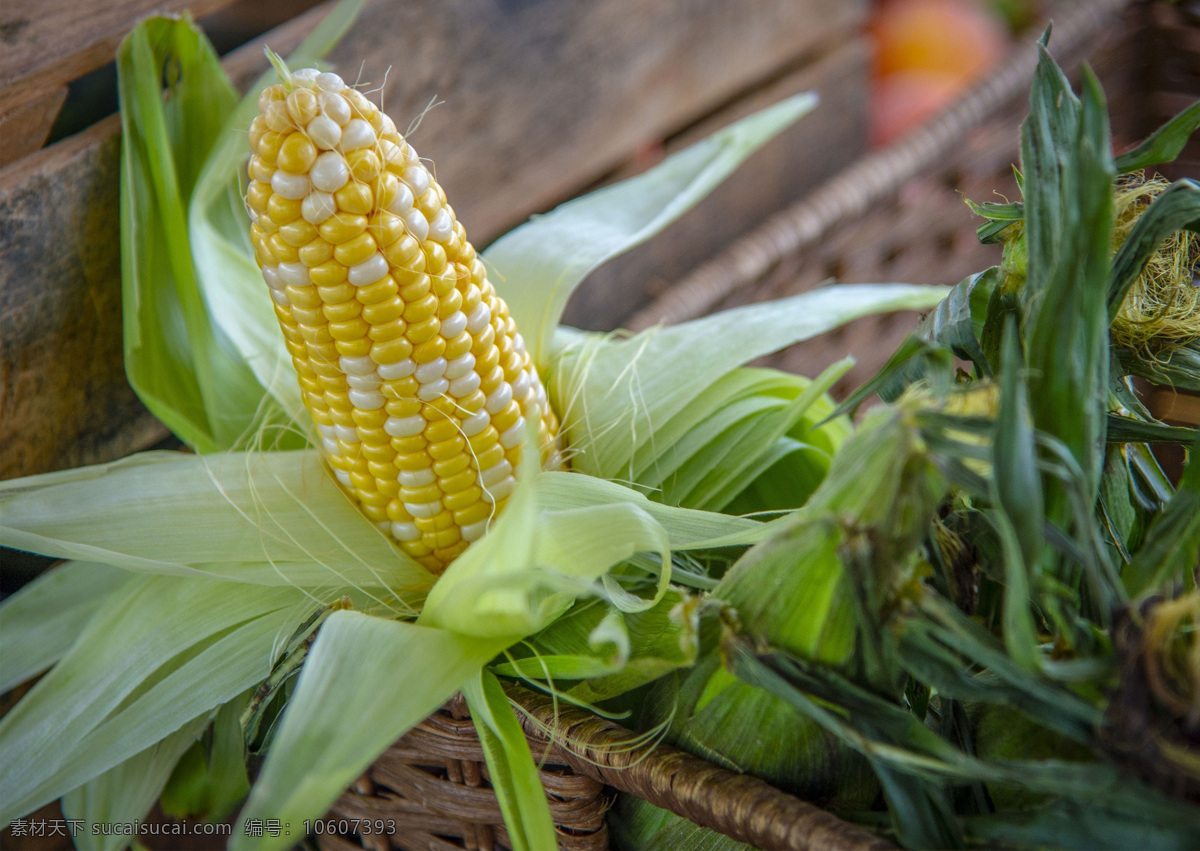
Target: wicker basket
x=897 y=215
x=433 y=784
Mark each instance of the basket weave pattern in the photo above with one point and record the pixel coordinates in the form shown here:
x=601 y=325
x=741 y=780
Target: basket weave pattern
x=434 y=784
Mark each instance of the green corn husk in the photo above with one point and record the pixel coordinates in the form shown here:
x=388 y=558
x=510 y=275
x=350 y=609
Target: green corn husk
x=839 y=562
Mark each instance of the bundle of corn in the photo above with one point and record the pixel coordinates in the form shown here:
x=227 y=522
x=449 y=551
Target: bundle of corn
x=991 y=598
x=332 y=564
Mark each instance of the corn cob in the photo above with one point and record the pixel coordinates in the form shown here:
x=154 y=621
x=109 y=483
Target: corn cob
x=412 y=368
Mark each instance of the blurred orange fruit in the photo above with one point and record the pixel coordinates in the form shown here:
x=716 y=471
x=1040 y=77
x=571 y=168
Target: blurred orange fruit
x=926 y=52
x=958 y=38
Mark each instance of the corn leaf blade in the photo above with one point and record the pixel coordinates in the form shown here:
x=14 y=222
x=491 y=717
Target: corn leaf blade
x=180 y=365
x=539 y=264
x=259 y=518
x=125 y=793
x=616 y=396
x=166 y=651
x=41 y=621
x=366 y=681
x=510 y=764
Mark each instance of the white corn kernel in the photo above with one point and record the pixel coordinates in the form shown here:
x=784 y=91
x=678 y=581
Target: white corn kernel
x=368 y=400
x=429 y=392
x=474 y=531
x=460 y=366
x=479 y=318
x=513 y=436
x=475 y=423
x=295 y=274
x=441 y=228
x=357 y=134
x=335 y=106
x=454 y=324
x=405 y=426
x=317 y=207
x=364 y=382
x=501 y=489
x=356 y=366
x=406 y=532
x=417 y=478
x=424 y=509
x=499 y=399
x=324 y=132
x=416 y=225
x=394 y=371
x=369 y=271
x=465 y=386
x=495 y=473
x=403 y=201
x=417 y=176
x=290 y=186
x=330 y=172
x=330 y=82
x=433 y=370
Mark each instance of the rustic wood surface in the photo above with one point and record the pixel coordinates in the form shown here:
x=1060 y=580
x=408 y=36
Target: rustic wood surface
x=803 y=156
x=24 y=128
x=541 y=100
x=49 y=43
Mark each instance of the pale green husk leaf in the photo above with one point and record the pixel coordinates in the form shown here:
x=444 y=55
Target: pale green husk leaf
x=366 y=682
x=166 y=651
x=271 y=518
x=40 y=622
x=539 y=264
x=615 y=397
x=511 y=767
x=124 y=794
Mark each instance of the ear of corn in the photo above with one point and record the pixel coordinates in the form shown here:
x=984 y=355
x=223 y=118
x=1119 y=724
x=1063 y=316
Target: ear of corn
x=408 y=361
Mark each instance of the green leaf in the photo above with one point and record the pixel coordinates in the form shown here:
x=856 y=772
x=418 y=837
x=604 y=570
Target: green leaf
x=168 y=650
x=226 y=273
x=365 y=683
x=726 y=465
x=511 y=768
x=615 y=397
x=1171 y=549
x=1068 y=197
x=125 y=793
x=272 y=518
x=182 y=368
x=40 y=622
x=1179 y=368
x=958 y=319
x=1122 y=429
x=1174 y=210
x=210 y=778
x=1164 y=144
x=1017 y=490
x=538 y=265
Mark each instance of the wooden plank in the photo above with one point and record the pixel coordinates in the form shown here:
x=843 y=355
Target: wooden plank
x=777 y=176
x=541 y=99
x=24 y=129
x=64 y=399
x=49 y=43
x=63 y=392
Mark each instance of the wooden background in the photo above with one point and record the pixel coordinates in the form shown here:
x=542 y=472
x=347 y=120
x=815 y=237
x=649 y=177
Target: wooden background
x=541 y=99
